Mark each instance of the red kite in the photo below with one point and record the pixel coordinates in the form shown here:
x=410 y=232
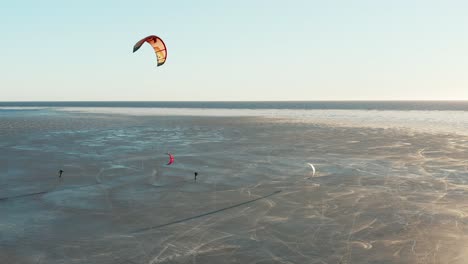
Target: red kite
x=171 y=159
x=158 y=46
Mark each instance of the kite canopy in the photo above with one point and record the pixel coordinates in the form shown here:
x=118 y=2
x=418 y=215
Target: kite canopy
x=158 y=46
x=171 y=159
x=313 y=169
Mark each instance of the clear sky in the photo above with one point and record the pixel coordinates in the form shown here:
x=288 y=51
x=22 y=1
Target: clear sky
x=235 y=50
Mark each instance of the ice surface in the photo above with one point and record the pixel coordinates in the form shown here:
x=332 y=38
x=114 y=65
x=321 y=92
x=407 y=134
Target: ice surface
x=380 y=195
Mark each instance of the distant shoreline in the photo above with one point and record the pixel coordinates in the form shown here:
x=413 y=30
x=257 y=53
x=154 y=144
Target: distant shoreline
x=325 y=105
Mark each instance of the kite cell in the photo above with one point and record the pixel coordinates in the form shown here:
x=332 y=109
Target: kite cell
x=158 y=46
x=171 y=159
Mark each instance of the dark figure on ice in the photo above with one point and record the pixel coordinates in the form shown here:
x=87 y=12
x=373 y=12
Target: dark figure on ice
x=60 y=173
x=196 y=174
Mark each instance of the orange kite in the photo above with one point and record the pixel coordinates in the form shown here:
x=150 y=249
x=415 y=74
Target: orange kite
x=158 y=46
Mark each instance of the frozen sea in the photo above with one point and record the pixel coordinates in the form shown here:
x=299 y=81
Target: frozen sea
x=391 y=184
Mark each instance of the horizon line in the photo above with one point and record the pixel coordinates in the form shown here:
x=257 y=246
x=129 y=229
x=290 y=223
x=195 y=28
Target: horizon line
x=233 y=101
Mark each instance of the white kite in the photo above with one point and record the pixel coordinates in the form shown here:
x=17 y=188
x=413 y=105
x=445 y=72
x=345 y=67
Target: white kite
x=313 y=169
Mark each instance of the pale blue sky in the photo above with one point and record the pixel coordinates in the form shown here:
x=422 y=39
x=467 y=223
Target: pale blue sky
x=235 y=50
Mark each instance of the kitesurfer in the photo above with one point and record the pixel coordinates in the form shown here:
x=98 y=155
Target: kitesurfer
x=196 y=174
x=60 y=173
